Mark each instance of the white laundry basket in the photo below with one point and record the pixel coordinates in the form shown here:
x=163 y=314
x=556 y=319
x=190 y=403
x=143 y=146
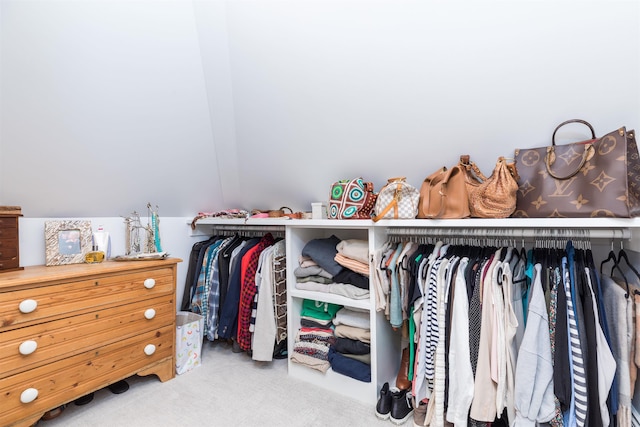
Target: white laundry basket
x=189 y=335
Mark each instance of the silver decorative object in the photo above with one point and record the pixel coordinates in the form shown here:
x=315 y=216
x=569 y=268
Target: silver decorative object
x=132 y=234
x=133 y=243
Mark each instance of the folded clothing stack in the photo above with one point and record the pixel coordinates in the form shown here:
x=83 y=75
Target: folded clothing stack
x=354 y=255
x=350 y=353
x=329 y=262
x=311 y=346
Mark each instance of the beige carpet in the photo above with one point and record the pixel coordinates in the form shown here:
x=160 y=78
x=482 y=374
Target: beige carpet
x=228 y=389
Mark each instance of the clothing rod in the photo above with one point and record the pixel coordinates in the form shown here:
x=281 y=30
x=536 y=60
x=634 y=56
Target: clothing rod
x=561 y=233
x=244 y=228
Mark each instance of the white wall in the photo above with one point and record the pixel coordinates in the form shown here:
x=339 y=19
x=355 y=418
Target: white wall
x=104 y=109
x=203 y=105
x=325 y=90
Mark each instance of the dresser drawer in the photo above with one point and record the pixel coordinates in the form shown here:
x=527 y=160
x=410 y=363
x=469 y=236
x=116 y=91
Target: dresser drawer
x=9 y=222
x=7 y=243
x=8 y=252
x=7 y=263
x=9 y=233
x=67 y=379
x=48 y=302
x=29 y=347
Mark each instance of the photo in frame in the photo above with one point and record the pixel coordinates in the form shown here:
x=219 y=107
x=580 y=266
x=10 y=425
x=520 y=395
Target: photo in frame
x=66 y=241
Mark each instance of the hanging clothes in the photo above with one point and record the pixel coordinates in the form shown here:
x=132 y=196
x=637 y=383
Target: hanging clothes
x=460 y=371
x=534 y=371
x=604 y=357
x=248 y=290
x=619 y=311
x=264 y=326
x=527 y=328
x=232 y=269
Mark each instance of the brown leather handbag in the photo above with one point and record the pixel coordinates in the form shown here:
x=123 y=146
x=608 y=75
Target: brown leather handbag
x=496 y=197
x=594 y=178
x=473 y=177
x=443 y=195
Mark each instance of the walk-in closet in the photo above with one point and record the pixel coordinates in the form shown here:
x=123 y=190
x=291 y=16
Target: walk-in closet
x=176 y=178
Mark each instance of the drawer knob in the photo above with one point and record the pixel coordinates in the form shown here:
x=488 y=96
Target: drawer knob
x=28 y=347
x=28 y=305
x=29 y=395
x=149 y=349
x=149 y=313
x=149 y=283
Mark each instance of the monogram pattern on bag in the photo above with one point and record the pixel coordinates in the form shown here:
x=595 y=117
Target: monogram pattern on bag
x=406 y=200
x=633 y=174
x=607 y=184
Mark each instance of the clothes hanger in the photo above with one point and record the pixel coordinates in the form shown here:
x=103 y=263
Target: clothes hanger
x=384 y=259
x=610 y=257
x=623 y=255
x=616 y=266
x=406 y=261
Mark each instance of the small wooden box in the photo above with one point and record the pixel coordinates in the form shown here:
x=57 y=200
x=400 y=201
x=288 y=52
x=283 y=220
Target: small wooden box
x=9 y=238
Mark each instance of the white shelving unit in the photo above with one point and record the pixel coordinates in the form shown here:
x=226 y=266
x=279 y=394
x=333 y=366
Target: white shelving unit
x=385 y=342
x=385 y=347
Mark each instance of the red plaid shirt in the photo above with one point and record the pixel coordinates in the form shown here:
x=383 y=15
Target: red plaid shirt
x=248 y=290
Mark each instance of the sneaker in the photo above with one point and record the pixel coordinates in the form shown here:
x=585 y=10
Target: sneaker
x=420 y=414
x=383 y=408
x=401 y=406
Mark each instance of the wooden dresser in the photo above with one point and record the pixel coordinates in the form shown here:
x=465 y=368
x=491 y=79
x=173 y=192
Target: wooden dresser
x=68 y=330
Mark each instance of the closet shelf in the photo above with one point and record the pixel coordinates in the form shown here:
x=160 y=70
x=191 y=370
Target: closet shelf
x=330 y=298
x=432 y=223
x=270 y=222
x=514 y=223
x=243 y=221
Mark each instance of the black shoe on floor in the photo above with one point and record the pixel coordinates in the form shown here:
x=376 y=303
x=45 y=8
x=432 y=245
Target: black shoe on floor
x=383 y=407
x=235 y=348
x=401 y=406
x=84 y=399
x=119 y=387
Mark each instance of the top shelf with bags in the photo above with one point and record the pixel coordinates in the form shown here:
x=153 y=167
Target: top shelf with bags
x=618 y=229
x=429 y=223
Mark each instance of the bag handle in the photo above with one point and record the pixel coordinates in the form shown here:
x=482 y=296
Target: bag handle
x=593 y=133
x=444 y=174
x=394 y=203
x=465 y=161
x=551 y=157
x=397 y=178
